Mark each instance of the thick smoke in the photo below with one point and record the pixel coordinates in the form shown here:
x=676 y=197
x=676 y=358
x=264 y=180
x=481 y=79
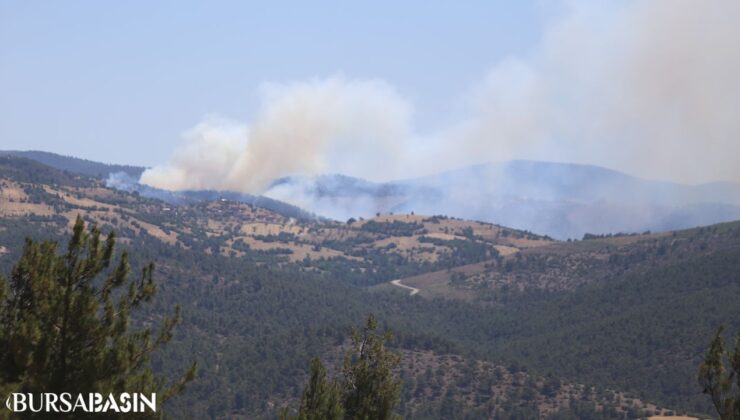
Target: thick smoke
x=206 y=159
x=648 y=87
x=333 y=125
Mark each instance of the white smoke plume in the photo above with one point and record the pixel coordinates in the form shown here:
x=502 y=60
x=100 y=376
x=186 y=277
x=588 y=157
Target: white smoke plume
x=648 y=87
x=333 y=125
x=205 y=160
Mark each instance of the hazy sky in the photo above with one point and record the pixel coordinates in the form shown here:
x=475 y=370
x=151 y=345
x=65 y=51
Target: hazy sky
x=235 y=94
x=121 y=81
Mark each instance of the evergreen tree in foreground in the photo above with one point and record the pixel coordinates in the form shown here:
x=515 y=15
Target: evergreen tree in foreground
x=721 y=382
x=371 y=388
x=368 y=388
x=65 y=322
x=322 y=399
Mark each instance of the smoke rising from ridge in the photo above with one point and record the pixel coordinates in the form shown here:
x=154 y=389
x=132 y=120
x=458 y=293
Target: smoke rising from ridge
x=303 y=128
x=648 y=87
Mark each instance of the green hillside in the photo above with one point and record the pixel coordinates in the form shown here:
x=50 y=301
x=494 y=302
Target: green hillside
x=75 y=165
x=263 y=294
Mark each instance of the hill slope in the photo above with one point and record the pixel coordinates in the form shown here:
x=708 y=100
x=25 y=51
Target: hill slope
x=556 y=199
x=560 y=200
x=76 y=165
x=262 y=293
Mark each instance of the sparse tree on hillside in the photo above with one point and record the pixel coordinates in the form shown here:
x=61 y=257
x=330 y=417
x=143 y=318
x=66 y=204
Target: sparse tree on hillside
x=65 y=322
x=719 y=375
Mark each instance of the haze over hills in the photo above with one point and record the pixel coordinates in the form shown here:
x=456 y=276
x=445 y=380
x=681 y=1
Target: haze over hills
x=557 y=199
x=507 y=323
x=124 y=178
x=312 y=216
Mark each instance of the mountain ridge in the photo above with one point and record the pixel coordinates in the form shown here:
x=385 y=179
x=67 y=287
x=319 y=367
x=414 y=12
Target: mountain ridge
x=74 y=164
x=562 y=200
x=251 y=281
x=557 y=199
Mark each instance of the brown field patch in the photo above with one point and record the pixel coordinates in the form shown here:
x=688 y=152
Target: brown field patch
x=443 y=236
x=504 y=250
x=22 y=209
x=12 y=191
x=81 y=202
x=299 y=251
x=257 y=228
x=157 y=232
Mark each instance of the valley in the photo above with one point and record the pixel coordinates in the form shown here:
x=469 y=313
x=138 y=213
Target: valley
x=490 y=320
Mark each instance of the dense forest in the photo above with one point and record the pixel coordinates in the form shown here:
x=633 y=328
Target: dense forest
x=616 y=328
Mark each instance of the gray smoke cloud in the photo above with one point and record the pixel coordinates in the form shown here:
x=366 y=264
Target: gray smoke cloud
x=648 y=87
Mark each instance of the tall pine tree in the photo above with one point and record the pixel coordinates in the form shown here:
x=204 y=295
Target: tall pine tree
x=371 y=388
x=65 y=322
x=368 y=389
x=719 y=375
x=321 y=400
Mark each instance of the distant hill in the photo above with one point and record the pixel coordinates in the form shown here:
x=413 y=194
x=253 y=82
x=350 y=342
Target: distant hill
x=506 y=324
x=557 y=199
x=43 y=167
x=27 y=170
x=76 y=165
x=124 y=182
x=341 y=197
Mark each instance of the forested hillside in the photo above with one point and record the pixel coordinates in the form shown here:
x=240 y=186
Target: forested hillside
x=507 y=323
x=75 y=165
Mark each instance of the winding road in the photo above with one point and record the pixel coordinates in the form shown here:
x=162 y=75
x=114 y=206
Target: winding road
x=398 y=283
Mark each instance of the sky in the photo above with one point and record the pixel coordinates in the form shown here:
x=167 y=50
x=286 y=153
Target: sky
x=234 y=94
x=121 y=81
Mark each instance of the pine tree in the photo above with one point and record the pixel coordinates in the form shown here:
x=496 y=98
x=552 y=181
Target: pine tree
x=720 y=382
x=65 y=322
x=321 y=400
x=371 y=388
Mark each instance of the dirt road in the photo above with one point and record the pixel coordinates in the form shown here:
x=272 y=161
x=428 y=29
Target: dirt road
x=398 y=283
